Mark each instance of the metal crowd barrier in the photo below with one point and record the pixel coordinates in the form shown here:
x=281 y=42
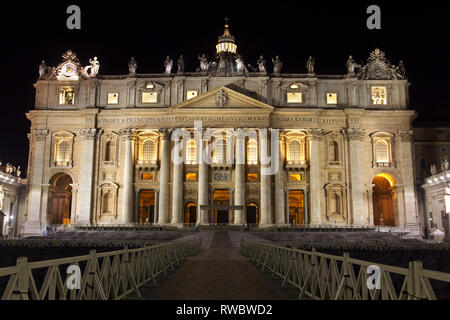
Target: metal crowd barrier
x=104 y=276
x=322 y=276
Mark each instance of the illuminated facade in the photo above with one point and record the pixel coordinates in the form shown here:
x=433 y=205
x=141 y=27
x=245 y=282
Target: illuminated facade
x=101 y=147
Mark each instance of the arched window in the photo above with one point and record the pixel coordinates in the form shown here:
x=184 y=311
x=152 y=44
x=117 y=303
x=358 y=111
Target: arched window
x=382 y=152
x=294 y=150
x=148 y=150
x=252 y=152
x=220 y=152
x=63 y=152
x=110 y=150
x=190 y=152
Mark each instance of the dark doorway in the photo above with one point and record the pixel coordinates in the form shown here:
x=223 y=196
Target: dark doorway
x=147 y=206
x=252 y=214
x=190 y=213
x=222 y=217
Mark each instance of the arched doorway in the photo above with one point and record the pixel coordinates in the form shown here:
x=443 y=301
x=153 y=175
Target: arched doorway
x=252 y=213
x=383 y=200
x=60 y=199
x=190 y=213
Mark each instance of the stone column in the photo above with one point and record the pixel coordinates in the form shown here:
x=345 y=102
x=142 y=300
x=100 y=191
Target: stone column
x=286 y=209
x=73 y=217
x=399 y=211
x=305 y=201
x=411 y=219
x=86 y=175
x=203 y=182
x=280 y=217
x=45 y=191
x=128 y=176
x=156 y=218
x=316 y=182
x=266 y=201
x=137 y=194
x=230 y=212
x=369 y=192
x=239 y=179
x=358 y=213
x=36 y=172
x=164 y=178
x=177 y=192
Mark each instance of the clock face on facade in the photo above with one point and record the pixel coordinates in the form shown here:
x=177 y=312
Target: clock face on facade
x=69 y=70
x=377 y=69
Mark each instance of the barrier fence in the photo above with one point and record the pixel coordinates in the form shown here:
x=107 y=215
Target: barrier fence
x=322 y=276
x=104 y=276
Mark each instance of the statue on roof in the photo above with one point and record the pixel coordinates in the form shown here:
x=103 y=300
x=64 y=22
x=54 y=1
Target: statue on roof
x=42 y=69
x=444 y=165
x=310 y=65
x=240 y=65
x=93 y=68
x=204 y=65
x=351 y=65
x=223 y=62
x=180 y=64
x=261 y=64
x=132 y=66
x=433 y=170
x=277 y=65
x=168 y=64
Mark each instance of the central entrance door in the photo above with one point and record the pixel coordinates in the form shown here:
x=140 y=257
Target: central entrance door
x=296 y=207
x=221 y=198
x=147 y=206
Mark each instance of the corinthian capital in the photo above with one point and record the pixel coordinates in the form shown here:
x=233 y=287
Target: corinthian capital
x=165 y=134
x=127 y=133
x=406 y=135
x=353 y=133
x=316 y=133
x=40 y=135
x=91 y=133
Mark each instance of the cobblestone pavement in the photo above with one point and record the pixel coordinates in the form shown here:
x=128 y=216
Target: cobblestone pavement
x=218 y=272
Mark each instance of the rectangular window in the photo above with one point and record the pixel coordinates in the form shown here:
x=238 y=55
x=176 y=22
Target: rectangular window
x=379 y=96
x=294 y=97
x=252 y=177
x=295 y=177
x=190 y=94
x=147 y=176
x=149 y=97
x=66 y=96
x=191 y=176
x=332 y=98
x=113 y=98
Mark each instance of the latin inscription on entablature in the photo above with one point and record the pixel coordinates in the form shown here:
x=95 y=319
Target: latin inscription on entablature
x=255 y=120
x=307 y=121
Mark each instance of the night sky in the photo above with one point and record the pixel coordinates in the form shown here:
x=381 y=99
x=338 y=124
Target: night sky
x=114 y=31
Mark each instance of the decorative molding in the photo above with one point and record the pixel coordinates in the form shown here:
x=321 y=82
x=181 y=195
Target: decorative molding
x=91 y=134
x=165 y=134
x=40 y=135
x=406 y=135
x=356 y=134
x=127 y=133
x=316 y=133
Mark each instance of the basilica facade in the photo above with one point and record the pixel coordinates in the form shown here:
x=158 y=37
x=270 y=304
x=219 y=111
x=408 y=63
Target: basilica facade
x=256 y=147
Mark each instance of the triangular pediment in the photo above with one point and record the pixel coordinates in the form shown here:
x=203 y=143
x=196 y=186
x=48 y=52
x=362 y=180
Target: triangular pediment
x=223 y=98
